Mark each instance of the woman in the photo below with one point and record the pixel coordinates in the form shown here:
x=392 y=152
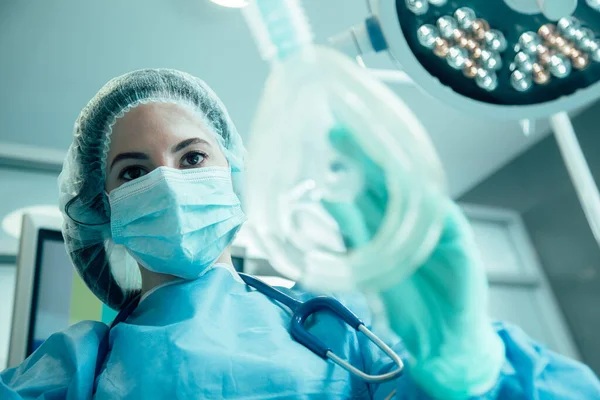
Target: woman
x=148 y=195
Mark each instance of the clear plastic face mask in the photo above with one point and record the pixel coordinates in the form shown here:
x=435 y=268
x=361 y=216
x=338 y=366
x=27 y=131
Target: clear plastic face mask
x=335 y=211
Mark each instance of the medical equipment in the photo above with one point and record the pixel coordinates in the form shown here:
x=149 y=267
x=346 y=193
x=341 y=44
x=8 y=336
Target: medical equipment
x=511 y=59
x=446 y=49
x=49 y=295
x=324 y=131
x=304 y=310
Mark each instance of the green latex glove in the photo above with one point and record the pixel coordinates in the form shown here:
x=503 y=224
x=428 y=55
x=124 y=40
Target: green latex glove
x=440 y=311
x=358 y=221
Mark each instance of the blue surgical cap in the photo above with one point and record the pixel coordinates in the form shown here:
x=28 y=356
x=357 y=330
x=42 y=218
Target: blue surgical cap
x=107 y=269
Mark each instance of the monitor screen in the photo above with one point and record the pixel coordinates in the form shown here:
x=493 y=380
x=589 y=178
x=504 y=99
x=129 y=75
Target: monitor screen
x=60 y=298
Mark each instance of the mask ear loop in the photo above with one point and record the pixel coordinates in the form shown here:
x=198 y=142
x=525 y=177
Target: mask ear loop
x=68 y=213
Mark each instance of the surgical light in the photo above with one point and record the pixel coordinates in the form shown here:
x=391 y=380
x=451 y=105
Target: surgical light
x=487 y=80
x=493 y=33
x=438 y=2
x=527 y=59
x=231 y=3
x=568 y=26
x=524 y=62
x=427 y=35
x=418 y=7
x=495 y=40
x=594 y=4
x=529 y=42
x=541 y=76
x=480 y=27
x=521 y=81
x=447 y=25
x=465 y=17
x=560 y=66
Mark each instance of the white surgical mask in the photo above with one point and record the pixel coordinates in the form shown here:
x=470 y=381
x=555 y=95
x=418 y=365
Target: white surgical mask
x=177 y=222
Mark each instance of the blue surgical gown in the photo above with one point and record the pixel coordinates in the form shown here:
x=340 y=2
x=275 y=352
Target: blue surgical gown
x=217 y=338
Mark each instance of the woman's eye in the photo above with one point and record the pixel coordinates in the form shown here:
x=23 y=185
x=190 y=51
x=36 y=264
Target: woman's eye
x=192 y=159
x=132 y=173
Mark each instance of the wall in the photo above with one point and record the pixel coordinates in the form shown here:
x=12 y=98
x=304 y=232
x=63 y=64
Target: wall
x=537 y=185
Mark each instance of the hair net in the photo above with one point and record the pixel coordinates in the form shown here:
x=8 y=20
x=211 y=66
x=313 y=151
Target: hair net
x=107 y=269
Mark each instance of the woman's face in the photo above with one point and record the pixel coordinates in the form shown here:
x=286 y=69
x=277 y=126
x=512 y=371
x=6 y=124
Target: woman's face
x=159 y=135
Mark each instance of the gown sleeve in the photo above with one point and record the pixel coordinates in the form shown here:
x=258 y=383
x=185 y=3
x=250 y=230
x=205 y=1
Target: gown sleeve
x=63 y=367
x=530 y=372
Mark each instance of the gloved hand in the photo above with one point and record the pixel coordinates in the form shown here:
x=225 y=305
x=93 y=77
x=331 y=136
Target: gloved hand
x=440 y=311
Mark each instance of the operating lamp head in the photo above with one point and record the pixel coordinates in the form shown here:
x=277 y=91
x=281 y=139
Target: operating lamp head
x=519 y=59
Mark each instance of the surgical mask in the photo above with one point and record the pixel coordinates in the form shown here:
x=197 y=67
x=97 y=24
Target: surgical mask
x=176 y=222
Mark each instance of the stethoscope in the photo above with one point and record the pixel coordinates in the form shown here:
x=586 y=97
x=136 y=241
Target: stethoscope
x=301 y=311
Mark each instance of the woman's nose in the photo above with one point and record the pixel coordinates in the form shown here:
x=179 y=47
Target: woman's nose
x=165 y=161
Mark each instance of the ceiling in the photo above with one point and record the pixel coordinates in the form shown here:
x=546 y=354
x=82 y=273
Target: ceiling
x=56 y=55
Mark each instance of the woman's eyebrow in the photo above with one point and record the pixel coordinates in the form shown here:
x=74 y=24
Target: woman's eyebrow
x=128 y=156
x=189 y=142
